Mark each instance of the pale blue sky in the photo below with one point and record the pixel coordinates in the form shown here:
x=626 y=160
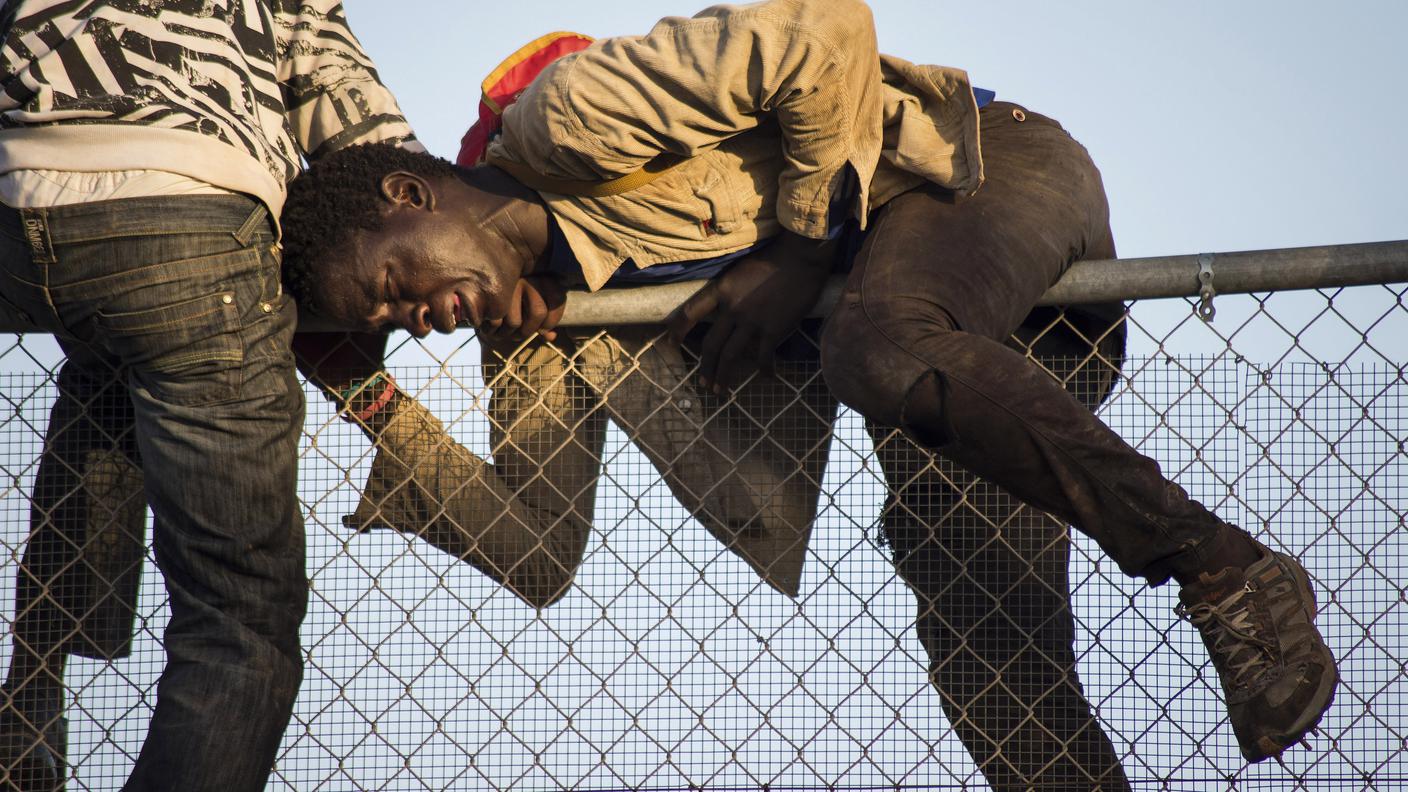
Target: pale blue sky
x=1218 y=125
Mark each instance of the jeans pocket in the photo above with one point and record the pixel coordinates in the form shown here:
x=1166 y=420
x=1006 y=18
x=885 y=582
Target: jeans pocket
x=188 y=351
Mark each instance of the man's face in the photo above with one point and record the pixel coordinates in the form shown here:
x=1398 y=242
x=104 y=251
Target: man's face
x=428 y=267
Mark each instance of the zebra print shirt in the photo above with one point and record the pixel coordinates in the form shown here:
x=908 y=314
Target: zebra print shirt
x=273 y=79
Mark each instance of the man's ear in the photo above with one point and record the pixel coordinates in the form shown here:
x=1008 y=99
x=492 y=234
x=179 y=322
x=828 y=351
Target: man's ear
x=404 y=189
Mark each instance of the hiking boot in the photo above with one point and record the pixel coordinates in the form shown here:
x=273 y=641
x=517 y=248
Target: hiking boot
x=1258 y=624
x=31 y=761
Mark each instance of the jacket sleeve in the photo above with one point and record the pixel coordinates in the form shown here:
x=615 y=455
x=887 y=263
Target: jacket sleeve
x=333 y=97
x=809 y=66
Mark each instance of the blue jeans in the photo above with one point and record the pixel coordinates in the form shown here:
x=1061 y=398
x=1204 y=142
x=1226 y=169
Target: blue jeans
x=178 y=340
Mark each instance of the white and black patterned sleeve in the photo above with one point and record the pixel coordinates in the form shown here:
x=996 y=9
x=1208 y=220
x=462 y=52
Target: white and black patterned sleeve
x=332 y=94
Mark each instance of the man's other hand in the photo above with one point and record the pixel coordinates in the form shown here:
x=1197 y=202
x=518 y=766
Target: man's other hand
x=756 y=305
x=536 y=307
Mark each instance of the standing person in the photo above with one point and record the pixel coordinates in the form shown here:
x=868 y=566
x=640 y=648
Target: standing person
x=749 y=134
x=145 y=148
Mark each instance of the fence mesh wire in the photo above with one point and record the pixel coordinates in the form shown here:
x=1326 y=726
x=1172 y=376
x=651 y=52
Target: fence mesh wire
x=666 y=661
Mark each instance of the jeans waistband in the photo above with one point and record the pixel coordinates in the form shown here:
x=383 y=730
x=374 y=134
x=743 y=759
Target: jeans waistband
x=240 y=215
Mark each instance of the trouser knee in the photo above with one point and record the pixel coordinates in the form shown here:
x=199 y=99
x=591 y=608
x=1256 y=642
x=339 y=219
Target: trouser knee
x=884 y=381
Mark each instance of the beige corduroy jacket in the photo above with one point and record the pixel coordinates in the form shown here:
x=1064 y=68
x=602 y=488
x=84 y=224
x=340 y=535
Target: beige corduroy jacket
x=771 y=104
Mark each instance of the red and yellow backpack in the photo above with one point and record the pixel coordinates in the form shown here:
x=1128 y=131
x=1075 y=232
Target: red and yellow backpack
x=506 y=83
x=502 y=88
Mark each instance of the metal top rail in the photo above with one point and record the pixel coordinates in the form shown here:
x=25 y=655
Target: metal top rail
x=1103 y=280
x=1283 y=269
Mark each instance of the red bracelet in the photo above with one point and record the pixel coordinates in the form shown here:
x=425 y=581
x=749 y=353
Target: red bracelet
x=381 y=401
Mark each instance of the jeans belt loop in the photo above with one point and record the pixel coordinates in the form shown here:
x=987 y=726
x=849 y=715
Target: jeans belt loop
x=251 y=224
x=35 y=224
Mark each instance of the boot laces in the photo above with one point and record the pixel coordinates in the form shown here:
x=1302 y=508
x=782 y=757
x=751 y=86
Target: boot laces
x=1232 y=634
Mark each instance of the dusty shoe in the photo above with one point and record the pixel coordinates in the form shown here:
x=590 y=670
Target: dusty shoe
x=1258 y=625
x=30 y=762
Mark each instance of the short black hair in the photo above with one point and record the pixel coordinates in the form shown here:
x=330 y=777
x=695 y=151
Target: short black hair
x=336 y=197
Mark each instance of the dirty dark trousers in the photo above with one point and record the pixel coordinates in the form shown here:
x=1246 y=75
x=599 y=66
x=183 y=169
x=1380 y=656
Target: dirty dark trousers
x=177 y=334
x=921 y=340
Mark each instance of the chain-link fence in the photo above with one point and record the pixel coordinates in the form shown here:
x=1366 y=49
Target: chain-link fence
x=724 y=611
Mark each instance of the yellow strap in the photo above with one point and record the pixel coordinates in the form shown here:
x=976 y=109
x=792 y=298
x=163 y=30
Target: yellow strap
x=648 y=173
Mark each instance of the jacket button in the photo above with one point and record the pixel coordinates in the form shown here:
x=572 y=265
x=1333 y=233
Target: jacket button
x=227 y=298
x=1018 y=114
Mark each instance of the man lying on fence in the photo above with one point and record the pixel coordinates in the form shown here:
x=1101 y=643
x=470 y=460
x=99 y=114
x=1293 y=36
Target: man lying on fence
x=749 y=133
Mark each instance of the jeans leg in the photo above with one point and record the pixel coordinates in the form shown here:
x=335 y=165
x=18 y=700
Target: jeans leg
x=184 y=295
x=231 y=549
x=231 y=553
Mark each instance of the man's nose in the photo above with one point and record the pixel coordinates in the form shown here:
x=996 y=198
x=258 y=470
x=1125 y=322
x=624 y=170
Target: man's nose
x=416 y=319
